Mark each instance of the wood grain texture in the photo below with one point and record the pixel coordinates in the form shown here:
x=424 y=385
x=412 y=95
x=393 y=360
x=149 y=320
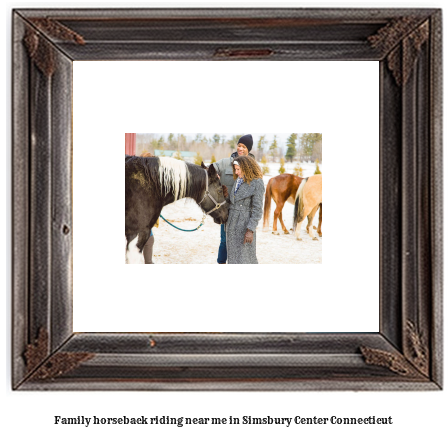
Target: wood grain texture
x=20 y=201
x=405 y=354
x=436 y=196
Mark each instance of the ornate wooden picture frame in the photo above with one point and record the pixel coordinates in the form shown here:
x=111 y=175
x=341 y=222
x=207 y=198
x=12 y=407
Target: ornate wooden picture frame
x=406 y=353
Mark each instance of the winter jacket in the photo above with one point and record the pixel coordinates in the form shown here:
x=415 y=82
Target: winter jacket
x=246 y=210
x=225 y=170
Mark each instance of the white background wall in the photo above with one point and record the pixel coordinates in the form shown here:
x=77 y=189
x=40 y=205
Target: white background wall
x=334 y=98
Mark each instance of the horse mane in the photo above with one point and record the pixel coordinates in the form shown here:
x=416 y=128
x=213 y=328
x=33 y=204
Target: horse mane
x=173 y=176
x=197 y=181
x=170 y=175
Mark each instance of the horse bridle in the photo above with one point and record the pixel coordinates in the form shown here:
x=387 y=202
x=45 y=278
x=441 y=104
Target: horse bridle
x=207 y=193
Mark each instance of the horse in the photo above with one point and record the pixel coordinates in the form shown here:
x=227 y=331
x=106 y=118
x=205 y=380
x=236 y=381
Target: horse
x=153 y=182
x=282 y=189
x=308 y=199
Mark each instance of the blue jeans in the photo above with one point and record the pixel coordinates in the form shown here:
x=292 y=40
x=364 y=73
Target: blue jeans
x=222 y=252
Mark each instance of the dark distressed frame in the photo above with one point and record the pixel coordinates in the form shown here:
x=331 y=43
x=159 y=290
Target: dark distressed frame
x=406 y=354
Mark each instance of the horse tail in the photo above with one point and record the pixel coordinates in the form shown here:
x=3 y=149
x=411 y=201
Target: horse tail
x=267 y=205
x=298 y=205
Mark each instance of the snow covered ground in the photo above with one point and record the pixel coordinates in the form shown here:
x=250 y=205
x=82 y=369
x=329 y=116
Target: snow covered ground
x=201 y=247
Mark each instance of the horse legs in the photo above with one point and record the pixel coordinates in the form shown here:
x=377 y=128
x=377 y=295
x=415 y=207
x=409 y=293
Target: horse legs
x=134 y=256
x=307 y=212
x=143 y=237
x=280 y=217
x=129 y=238
x=277 y=214
x=319 y=227
x=309 y=227
x=297 y=232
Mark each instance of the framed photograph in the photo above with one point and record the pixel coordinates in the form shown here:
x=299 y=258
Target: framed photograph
x=195 y=331
x=282 y=162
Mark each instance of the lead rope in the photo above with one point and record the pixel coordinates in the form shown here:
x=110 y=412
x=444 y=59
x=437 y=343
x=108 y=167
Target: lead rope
x=195 y=229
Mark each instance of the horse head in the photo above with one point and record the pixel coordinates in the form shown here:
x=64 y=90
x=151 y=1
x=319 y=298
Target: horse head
x=216 y=191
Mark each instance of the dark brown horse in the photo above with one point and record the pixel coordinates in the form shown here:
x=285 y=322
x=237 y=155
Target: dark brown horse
x=283 y=188
x=152 y=183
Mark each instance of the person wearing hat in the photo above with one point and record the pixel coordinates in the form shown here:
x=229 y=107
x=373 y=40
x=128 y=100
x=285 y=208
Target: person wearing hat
x=224 y=169
x=245 y=211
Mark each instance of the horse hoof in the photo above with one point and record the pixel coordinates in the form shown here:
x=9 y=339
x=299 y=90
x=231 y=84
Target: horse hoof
x=320 y=235
x=286 y=232
x=315 y=238
x=276 y=233
x=298 y=238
